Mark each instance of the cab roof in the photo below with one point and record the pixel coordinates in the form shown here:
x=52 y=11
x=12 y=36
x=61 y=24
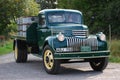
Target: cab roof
x=62 y=10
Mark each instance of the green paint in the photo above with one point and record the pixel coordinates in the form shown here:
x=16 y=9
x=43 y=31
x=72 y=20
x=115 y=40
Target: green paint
x=32 y=34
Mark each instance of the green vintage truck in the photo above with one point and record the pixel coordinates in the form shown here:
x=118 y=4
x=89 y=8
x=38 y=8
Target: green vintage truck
x=59 y=36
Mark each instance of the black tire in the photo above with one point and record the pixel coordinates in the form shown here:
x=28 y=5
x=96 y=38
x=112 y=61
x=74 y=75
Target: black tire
x=50 y=64
x=98 y=64
x=20 y=52
x=64 y=60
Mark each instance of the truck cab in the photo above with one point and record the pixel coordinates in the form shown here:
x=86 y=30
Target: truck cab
x=60 y=36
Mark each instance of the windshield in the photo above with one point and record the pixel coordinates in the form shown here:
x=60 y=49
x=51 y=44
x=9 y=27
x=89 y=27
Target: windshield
x=64 y=17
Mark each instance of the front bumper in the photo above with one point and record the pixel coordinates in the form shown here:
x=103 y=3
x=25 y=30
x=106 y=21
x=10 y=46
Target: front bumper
x=82 y=55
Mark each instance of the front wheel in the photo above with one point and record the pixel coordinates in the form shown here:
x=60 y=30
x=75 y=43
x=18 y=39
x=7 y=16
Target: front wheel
x=98 y=64
x=50 y=64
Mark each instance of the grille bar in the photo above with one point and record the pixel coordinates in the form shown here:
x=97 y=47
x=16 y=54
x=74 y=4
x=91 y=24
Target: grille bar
x=76 y=43
x=81 y=33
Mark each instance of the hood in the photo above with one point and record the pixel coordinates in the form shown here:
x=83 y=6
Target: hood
x=68 y=27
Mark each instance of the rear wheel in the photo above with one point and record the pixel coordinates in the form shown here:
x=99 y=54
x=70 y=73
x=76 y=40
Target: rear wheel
x=20 y=52
x=99 y=64
x=50 y=64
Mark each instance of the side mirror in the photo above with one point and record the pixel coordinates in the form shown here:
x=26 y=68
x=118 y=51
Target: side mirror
x=42 y=21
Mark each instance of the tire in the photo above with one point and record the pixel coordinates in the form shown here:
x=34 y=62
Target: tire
x=20 y=52
x=64 y=60
x=98 y=64
x=50 y=64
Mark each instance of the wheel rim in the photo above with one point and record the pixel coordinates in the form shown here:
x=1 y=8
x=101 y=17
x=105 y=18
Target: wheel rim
x=48 y=59
x=16 y=52
x=97 y=63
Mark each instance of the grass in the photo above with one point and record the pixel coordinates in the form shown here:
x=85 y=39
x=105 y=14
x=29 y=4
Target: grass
x=6 y=48
x=115 y=51
x=114 y=59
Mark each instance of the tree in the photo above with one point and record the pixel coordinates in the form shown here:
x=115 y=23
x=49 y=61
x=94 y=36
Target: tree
x=112 y=16
x=98 y=14
x=10 y=10
x=47 y=4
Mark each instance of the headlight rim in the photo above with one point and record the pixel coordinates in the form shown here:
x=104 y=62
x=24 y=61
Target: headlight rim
x=102 y=36
x=60 y=37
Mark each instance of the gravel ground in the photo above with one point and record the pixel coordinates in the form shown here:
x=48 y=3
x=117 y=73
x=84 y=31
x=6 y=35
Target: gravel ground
x=33 y=70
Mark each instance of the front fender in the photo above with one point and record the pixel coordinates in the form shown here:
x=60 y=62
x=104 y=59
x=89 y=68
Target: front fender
x=102 y=45
x=54 y=43
x=49 y=41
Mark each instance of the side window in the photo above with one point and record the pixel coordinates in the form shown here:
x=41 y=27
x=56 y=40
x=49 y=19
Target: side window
x=42 y=21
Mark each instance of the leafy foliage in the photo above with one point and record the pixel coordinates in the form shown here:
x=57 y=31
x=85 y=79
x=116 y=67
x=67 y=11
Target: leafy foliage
x=11 y=9
x=47 y=4
x=98 y=14
x=7 y=48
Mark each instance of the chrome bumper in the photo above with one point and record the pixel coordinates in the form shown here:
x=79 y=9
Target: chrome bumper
x=82 y=55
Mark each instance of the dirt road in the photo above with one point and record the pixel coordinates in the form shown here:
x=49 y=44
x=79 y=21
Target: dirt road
x=33 y=70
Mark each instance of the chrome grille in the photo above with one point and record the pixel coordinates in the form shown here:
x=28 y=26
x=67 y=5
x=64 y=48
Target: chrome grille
x=76 y=43
x=80 y=33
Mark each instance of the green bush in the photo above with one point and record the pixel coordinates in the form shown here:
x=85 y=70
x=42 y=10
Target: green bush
x=115 y=48
x=7 y=48
x=115 y=51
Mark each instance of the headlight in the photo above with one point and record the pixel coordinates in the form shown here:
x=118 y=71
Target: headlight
x=102 y=36
x=60 y=37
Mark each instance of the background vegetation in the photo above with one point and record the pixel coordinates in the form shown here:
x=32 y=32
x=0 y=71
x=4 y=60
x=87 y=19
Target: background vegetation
x=98 y=14
x=6 y=48
x=10 y=10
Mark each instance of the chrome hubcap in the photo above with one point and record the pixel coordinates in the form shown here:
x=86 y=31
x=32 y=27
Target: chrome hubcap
x=48 y=59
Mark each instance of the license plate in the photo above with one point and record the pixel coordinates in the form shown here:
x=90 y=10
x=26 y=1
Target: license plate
x=85 y=48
